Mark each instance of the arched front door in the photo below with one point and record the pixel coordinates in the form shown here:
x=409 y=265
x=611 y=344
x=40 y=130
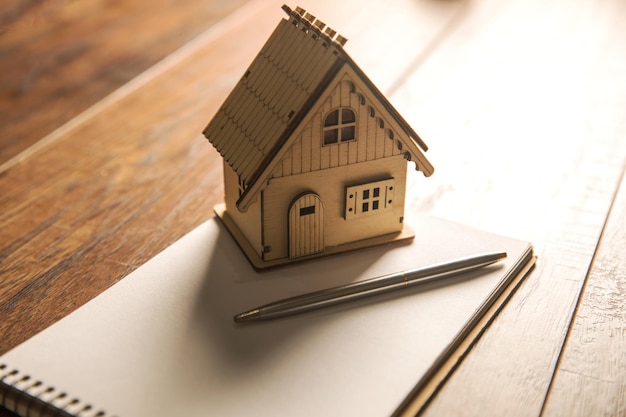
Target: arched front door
x=306 y=226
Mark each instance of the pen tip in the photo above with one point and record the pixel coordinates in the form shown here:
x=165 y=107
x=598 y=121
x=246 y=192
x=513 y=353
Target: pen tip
x=492 y=258
x=247 y=316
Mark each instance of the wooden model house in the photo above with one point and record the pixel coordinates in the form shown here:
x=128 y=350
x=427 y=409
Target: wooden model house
x=315 y=157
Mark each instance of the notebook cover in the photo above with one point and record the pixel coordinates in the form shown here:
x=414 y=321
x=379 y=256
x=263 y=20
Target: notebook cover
x=162 y=341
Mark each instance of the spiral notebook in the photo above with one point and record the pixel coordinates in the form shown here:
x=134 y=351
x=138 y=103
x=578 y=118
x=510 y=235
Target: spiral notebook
x=162 y=341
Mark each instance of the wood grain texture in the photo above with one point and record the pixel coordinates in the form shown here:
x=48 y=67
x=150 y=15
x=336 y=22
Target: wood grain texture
x=109 y=194
x=535 y=131
x=124 y=182
x=591 y=373
x=58 y=57
x=521 y=103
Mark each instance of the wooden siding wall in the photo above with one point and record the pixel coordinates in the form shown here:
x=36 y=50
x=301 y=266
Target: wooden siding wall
x=375 y=136
x=330 y=186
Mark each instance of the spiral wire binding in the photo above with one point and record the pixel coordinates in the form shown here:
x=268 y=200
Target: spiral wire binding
x=30 y=397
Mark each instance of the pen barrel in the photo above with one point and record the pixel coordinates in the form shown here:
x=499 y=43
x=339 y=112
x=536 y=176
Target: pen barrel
x=328 y=297
x=374 y=286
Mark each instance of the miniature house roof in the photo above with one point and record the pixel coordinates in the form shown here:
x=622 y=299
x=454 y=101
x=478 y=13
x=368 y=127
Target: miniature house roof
x=292 y=70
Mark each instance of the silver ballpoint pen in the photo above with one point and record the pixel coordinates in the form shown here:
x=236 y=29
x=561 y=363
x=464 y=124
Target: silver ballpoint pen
x=369 y=287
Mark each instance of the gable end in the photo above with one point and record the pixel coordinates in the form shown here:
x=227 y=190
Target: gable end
x=376 y=134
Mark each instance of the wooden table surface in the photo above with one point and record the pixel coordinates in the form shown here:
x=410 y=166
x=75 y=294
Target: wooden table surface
x=523 y=105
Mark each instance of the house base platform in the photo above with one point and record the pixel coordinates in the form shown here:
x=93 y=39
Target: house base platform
x=404 y=236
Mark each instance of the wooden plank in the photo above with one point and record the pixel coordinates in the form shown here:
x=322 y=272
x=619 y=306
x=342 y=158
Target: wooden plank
x=529 y=128
x=316 y=154
x=307 y=149
x=61 y=57
x=591 y=373
x=118 y=184
x=525 y=128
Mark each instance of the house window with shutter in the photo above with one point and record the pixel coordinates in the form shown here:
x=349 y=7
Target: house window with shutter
x=369 y=199
x=339 y=126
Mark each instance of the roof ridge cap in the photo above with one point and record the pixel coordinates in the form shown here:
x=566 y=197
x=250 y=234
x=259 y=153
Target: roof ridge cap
x=301 y=16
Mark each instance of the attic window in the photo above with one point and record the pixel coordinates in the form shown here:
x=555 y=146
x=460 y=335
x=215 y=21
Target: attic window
x=339 y=126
